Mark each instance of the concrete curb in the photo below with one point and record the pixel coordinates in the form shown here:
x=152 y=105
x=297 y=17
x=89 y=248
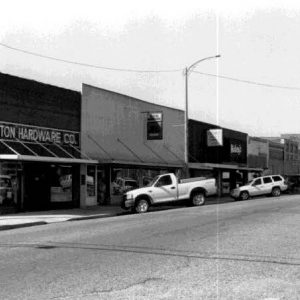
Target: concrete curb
x=94 y=217
x=103 y=215
x=14 y=226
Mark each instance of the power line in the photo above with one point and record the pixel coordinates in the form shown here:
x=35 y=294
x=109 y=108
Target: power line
x=146 y=71
x=250 y=82
x=87 y=65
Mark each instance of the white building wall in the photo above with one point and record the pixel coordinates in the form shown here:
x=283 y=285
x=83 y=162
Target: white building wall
x=113 y=127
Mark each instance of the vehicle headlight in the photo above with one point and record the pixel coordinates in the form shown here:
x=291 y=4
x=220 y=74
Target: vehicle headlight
x=129 y=196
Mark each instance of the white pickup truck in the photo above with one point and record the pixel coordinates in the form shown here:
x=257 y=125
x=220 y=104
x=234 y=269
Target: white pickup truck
x=166 y=188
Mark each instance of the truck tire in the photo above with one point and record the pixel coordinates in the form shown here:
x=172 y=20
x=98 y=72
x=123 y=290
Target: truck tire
x=141 y=206
x=276 y=192
x=198 y=199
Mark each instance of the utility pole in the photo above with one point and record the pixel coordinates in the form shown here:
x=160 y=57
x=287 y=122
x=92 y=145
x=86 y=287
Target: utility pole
x=186 y=119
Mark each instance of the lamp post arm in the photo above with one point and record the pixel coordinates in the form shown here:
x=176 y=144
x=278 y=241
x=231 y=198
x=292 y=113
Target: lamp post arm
x=188 y=69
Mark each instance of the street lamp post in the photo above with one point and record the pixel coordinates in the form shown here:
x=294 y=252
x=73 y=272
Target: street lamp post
x=187 y=72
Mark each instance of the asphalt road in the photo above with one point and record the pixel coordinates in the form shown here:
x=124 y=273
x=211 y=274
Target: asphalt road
x=238 y=250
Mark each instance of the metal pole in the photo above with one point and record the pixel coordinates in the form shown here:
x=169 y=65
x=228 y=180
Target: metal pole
x=186 y=153
x=186 y=125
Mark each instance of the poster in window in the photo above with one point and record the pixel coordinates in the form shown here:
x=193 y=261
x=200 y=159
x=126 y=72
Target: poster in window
x=61 y=183
x=154 y=126
x=236 y=151
x=90 y=181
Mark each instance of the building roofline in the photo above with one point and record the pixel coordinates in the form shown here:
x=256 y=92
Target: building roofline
x=40 y=82
x=259 y=139
x=219 y=127
x=132 y=98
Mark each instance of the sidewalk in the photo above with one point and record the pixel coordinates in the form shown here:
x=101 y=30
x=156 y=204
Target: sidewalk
x=26 y=219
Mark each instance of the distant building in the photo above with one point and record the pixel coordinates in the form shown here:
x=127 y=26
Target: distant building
x=219 y=152
x=284 y=154
x=258 y=153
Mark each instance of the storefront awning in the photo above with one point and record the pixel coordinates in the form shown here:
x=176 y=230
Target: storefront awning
x=210 y=166
x=142 y=164
x=38 y=152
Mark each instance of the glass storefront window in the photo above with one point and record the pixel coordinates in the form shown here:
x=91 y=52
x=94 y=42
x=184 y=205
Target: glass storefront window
x=126 y=179
x=102 y=193
x=60 y=183
x=9 y=183
x=90 y=181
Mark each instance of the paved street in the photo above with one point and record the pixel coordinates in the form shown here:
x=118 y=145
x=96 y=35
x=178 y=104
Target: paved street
x=237 y=250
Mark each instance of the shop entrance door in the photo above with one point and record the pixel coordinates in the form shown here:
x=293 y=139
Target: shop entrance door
x=36 y=186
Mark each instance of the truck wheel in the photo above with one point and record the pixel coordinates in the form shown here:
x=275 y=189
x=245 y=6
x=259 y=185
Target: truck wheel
x=244 y=196
x=276 y=192
x=141 y=206
x=198 y=199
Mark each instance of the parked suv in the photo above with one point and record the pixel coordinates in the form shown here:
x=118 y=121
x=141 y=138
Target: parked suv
x=265 y=185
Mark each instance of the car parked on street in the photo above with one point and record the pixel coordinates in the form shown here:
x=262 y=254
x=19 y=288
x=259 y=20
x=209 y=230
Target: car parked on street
x=272 y=185
x=166 y=188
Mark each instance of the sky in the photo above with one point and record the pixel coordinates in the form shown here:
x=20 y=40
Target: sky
x=259 y=42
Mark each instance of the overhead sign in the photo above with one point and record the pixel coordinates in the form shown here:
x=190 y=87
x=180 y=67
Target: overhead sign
x=26 y=133
x=214 y=137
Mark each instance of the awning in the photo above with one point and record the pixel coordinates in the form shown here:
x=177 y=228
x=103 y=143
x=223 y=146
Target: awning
x=141 y=164
x=210 y=166
x=38 y=152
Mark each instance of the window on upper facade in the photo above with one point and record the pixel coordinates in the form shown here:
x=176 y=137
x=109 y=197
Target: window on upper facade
x=155 y=126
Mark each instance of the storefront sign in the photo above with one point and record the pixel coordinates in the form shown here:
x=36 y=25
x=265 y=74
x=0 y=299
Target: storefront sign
x=27 y=133
x=236 y=149
x=214 y=137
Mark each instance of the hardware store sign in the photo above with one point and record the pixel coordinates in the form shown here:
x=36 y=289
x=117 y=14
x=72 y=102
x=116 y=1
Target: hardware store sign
x=24 y=133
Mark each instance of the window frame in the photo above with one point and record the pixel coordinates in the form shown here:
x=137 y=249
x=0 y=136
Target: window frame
x=268 y=178
x=257 y=179
x=160 y=185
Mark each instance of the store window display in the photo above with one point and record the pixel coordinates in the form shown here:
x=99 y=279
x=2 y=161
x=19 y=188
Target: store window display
x=91 y=181
x=9 y=184
x=61 y=183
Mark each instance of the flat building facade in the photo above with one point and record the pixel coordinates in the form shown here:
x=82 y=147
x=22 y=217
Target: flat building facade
x=41 y=164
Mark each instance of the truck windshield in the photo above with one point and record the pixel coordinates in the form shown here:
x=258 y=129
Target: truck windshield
x=152 y=181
